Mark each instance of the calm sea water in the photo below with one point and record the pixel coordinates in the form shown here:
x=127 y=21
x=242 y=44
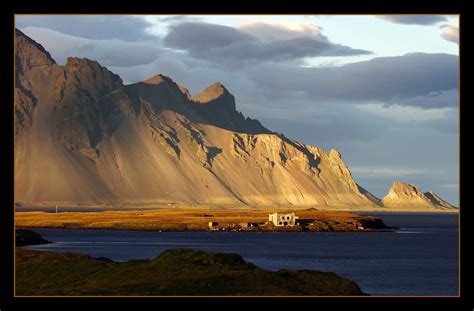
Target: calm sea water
x=421 y=258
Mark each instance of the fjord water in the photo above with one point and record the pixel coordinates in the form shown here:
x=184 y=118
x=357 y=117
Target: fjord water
x=419 y=259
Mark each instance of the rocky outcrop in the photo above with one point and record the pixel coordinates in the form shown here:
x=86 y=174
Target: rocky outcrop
x=213 y=106
x=403 y=195
x=29 y=55
x=216 y=94
x=84 y=137
x=91 y=104
x=25 y=237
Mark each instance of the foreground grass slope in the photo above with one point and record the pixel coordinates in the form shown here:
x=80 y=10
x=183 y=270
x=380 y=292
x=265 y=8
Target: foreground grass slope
x=174 y=272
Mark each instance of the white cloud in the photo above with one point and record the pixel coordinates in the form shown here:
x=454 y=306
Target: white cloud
x=451 y=33
x=159 y=23
x=279 y=30
x=100 y=27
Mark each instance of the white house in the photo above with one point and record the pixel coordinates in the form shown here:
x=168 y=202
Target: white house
x=213 y=224
x=280 y=219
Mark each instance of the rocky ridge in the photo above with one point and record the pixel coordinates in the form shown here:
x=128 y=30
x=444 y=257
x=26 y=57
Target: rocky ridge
x=82 y=136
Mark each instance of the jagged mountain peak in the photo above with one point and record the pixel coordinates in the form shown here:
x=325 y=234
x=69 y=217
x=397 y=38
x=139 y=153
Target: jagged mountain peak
x=410 y=195
x=78 y=63
x=92 y=139
x=185 y=91
x=398 y=183
x=160 y=78
x=29 y=53
x=402 y=189
x=157 y=79
x=334 y=153
x=214 y=106
x=87 y=74
x=20 y=36
x=212 y=93
x=34 y=65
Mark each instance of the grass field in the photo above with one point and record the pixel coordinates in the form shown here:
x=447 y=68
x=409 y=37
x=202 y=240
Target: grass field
x=183 y=219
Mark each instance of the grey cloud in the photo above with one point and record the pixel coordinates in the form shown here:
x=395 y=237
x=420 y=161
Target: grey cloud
x=198 y=37
x=191 y=73
x=317 y=123
x=434 y=99
x=414 y=19
x=222 y=43
x=179 y=18
x=304 y=47
x=107 y=52
x=449 y=124
x=126 y=28
x=380 y=79
x=167 y=63
x=335 y=131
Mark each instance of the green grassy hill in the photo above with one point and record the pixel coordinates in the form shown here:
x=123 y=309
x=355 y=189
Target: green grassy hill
x=181 y=272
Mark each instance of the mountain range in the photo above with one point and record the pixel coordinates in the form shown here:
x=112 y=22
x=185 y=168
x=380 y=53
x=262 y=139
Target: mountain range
x=83 y=137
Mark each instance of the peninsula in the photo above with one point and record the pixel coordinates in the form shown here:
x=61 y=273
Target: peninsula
x=199 y=219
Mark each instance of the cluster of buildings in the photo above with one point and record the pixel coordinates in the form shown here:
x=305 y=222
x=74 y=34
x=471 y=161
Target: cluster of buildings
x=277 y=219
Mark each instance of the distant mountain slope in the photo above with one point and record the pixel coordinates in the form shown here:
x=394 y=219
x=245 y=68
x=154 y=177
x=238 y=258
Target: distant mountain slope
x=83 y=137
x=409 y=195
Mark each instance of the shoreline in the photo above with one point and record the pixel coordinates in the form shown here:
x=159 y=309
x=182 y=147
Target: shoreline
x=389 y=229
x=179 y=272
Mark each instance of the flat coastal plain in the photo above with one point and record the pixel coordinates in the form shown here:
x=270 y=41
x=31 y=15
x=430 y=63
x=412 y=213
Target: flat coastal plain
x=187 y=219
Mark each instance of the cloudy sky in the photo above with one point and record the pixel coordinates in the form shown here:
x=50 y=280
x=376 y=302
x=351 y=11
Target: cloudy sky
x=383 y=90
